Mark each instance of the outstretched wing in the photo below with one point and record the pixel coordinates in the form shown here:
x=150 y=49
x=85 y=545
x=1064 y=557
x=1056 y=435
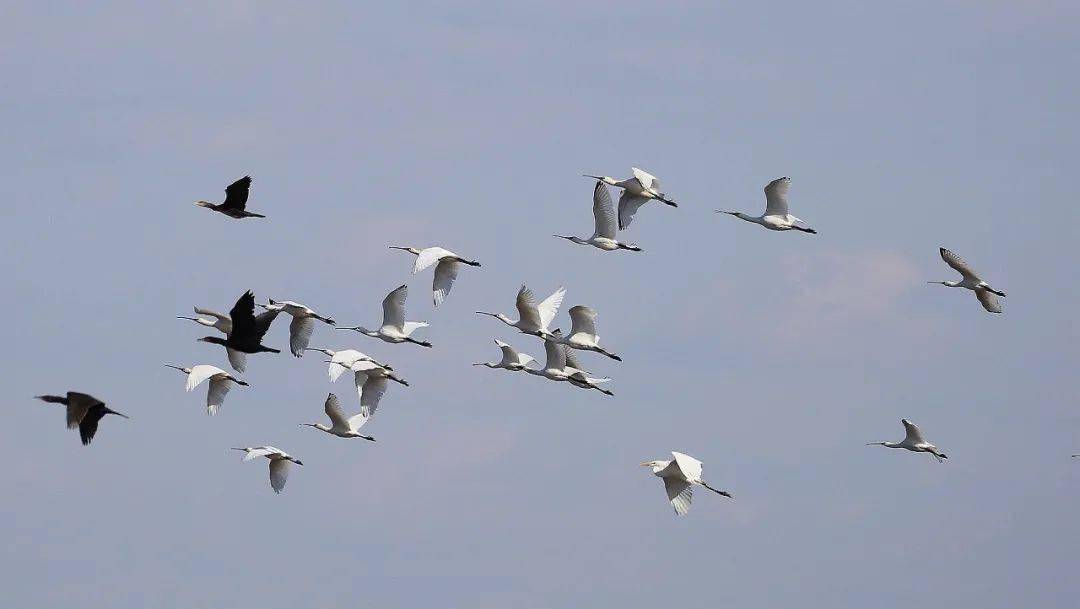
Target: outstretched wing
x=429 y=256
x=334 y=411
x=583 y=320
x=647 y=180
x=914 y=436
x=199 y=374
x=243 y=316
x=237 y=359
x=370 y=389
x=445 y=274
x=556 y=355
x=680 y=493
x=78 y=404
x=260 y=451
x=279 y=472
x=549 y=307
x=236 y=194
x=958 y=264
x=989 y=301
x=393 y=307
x=776 y=203
x=526 y=306
x=628 y=206
x=603 y=211
x=689 y=466
x=300 y=330
x=219 y=388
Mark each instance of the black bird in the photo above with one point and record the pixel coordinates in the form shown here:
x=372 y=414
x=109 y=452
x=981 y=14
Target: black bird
x=236 y=196
x=247 y=332
x=83 y=411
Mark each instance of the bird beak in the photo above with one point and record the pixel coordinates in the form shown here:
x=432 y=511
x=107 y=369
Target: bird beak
x=645 y=463
x=585 y=175
x=730 y=213
x=356 y=328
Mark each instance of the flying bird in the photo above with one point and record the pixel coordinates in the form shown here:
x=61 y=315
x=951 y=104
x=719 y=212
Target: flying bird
x=679 y=475
x=511 y=359
x=638 y=190
x=914 y=442
x=776 y=216
x=302 y=325
x=279 y=463
x=219 y=383
x=558 y=368
x=583 y=332
x=342 y=426
x=394 y=327
x=236 y=196
x=370 y=380
x=341 y=360
x=986 y=294
x=247 y=332
x=220 y=322
x=83 y=411
x=533 y=318
x=604 y=228
x=445 y=272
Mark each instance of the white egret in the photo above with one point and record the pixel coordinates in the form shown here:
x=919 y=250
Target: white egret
x=638 y=190
x=604 y=227
x=247 y=332
x=534 y=318
x=236 y=196
x=394 y=327
x=971 y=281
x=583 y=332
x=342 y=426
x=220 y=322
x=511 y=359
x=776 y=216
x=445 y=272
x=219 y=383
x=302 y=325
x=341 y=360
x=913 y=441
x=279 y=463
x=679 y=475
x=83 y=411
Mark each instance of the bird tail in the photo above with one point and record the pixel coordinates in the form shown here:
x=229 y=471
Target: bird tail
x=55 y=399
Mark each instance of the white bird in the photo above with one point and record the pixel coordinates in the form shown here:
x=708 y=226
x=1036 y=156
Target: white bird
x=511 y=359
x=370 y=380
x=219 y=383
x=971 y=281
x=679 y=475
x=578 y=376
x=556 y=368
x=534 y=318
x=302 y=325
x=279 y=463
x=604 y=227
x=445 y=272
x=776 y=216
x=220 y=322
x=394 y=327
x=583 y=332
x=341 y=360
x=914 y=442
x=637 y=191
x=342 y=426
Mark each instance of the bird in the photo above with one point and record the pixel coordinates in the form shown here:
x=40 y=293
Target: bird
x=983 y=291
x=914 y=442
x=370 y=380
x=583 y=332
x=533 y=318
x=83 y=411
x=342 y=426
x=236 y=196
x=279 y=463
x=556 y=367
x=219 y=383
x=247 y=332
x=604 y=227
x=394 y=327
x=776 y=216
x=341 y=360
x=511 y=359
x=679 y=475
x=302 y=325
x=445 y=272
x=220 y=322
x=579 y=377
x=638 y=190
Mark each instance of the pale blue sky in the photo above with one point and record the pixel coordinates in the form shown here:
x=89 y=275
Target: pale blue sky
x=772 y=357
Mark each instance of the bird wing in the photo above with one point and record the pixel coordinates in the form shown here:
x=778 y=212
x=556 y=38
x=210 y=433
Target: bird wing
x=689 y=466
x=429 y=256
x=393 y=307
x=628 y=206
x=445 y=274
x=648 y=181
x=263 y=321
x=583 y=320
x=776 y=203
x=358 y=420
x=572 y=360
x=300 y=330
x=914 y=436
x=236 y=194
x=340 y=362
x=279 y=472
x=370 y=394
x=199 y=374
x=989 y=300
x=556 y=355
x=243 y=316
x=219 y=388
x=603 y=212
x=334 y=411
x=237 y=359
x=958 y=264
x=409 y=327
x=214 y=314
x=526 y=306
x=77 y=407
x=549 y=307
x=510 y=355
x=260 y=451
x=680 y=493
x=89 y=424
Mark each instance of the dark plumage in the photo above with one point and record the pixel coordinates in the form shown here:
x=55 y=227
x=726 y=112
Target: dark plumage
x=236 y=196
x=247 y=329
x=83 y=411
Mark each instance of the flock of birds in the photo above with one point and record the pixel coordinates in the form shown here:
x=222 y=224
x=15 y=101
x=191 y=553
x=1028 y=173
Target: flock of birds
x=242 y=333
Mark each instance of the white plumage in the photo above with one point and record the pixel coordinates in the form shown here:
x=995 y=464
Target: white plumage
x=679 y=475
x=279 y=463
x=220 y=383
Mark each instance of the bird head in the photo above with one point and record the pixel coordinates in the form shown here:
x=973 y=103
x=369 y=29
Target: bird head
x=217 y=340
x=411 y=250
x=655 y=465
x=203 y=204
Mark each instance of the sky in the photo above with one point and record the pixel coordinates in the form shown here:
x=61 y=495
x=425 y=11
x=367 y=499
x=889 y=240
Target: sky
x=772 y=357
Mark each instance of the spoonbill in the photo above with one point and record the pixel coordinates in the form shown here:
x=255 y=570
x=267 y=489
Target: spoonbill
x=302 y=325
x=247 y=332
x=342 y=426
x=679 y=475
x=533 y=318
x=370 y=380
x=236 y=196
x=83 y=411
x=220 y=322
x=971 y=281
x=279 y=463
x=638 y=190
x=583 y=332
x=776 y=216
x=511 y=359
x=603 y=236
x=556 y=369
x=341 y=360
x=914 y=442
x=219 y=383
x=445 y=272
x=578 y=376
x=394 y=327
